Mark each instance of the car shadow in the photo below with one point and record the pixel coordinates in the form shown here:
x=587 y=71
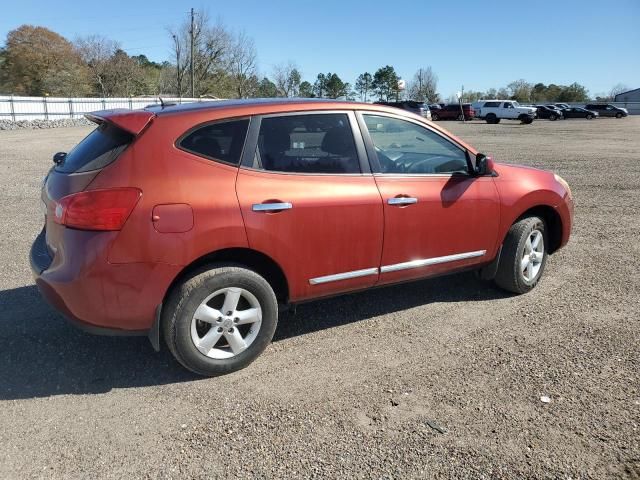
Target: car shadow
x=42 y=355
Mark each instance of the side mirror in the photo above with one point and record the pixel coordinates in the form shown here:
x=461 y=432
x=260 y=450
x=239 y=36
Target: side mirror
x=59 y=157
x=483 y=165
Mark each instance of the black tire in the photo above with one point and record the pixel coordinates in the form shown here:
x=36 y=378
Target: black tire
x=497 y=121
x=186 y=297
x=434 y=116
x=491 y=118
x=553 y=117
x=618 y=115
x=589 y=116
x=510 y=275
x=460 y=117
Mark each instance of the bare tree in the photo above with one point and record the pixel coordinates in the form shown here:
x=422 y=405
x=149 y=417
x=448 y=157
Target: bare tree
x=97 y=52
x=424 y=86
x=242 y=65
x=211 y=48
x=287 y=79
x=617 y=89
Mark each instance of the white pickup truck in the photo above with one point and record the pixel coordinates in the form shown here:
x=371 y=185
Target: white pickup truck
x=492 y=111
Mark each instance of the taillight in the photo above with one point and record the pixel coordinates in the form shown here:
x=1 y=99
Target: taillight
x=96 y=209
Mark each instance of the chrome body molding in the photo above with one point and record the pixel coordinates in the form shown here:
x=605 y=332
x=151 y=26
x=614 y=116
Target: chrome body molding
x=344 y=276
x=430 y=261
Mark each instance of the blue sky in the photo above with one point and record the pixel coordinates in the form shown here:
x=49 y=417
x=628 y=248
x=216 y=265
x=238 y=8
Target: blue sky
x=480 y=44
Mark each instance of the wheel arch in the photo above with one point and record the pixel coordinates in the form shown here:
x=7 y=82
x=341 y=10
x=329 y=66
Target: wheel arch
x=254 y=260
x=552 y=220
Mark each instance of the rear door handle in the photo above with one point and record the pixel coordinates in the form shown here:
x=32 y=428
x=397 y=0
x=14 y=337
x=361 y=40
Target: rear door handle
x=271 y=207
x=402 y=201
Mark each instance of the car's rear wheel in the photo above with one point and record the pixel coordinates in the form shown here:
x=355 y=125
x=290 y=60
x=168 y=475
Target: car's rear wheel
x=220 y=319
x=589 y=116
x=491 y=118
x=523 y=256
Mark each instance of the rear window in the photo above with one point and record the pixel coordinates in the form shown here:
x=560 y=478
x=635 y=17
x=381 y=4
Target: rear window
x=221 y=141
x=97 y=150
x=491 y=104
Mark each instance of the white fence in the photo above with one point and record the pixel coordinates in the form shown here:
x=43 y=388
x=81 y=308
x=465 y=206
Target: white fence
x=55 y=108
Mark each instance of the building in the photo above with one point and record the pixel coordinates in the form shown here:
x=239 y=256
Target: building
x=630 y=96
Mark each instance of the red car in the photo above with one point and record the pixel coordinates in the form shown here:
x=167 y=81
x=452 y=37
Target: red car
x=194 y=222
x=452 y=112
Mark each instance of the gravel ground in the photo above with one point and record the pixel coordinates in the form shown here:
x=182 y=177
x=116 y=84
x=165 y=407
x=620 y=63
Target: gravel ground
x=435 y=379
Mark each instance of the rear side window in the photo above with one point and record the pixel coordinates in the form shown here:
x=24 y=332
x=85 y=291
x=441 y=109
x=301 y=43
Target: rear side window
x=491 y=104
x=97 y=150
x=311 y=143
x=220 y=141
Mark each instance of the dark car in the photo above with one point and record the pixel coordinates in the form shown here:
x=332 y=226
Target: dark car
x=607 y=110
x=452 y=112
x=579 y=112
x=192 y=223
x=544 y=111
x=419 y=108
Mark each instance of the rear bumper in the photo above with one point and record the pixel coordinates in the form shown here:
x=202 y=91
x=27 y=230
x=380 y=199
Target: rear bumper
x=94 y=295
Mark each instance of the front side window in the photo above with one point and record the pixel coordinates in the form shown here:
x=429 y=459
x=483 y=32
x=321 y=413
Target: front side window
x=406 y=148
x=222 y=141
x=310 y=143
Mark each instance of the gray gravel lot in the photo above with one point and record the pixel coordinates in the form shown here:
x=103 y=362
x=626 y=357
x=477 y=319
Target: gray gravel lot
x=350 y=386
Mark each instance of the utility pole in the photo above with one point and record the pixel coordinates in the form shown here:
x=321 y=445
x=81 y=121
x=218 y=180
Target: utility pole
x=193 y=93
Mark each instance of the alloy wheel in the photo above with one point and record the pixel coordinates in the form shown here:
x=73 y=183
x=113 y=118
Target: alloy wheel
x=226 y=323
x=532 y=256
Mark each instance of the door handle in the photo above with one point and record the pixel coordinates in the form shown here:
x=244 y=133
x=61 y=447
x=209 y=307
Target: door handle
x=402 y=201
x=271 y=207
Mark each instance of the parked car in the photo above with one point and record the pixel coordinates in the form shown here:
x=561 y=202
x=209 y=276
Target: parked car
x=544 y=111
x=579 y=112
x=492 y=111
x=562 y=106
x=607 y=110
x=452 y=112
x=194 y=222
x=419 y=108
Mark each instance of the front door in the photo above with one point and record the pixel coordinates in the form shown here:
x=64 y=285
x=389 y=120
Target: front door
x=438 y=218
x=310 y=202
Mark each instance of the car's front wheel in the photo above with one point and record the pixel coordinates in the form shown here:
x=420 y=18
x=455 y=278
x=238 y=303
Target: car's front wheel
x=618 y=115
x=523 y=256
x=553 y=117
x=589 y=116
x=434 y=117
x=220 y=319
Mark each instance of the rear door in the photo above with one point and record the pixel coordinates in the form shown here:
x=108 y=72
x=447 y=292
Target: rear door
x=438 y=218
x=309 y=201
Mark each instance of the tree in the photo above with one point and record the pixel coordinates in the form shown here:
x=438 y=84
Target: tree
x=320 y=85
x=38 y=61
x=363 y=85
x=97 y=51
x=424 y=86
x=287 y=79
x=335 y=87
x=306 y=90
x=574 y=93
x=520 y=90
x=242 y=65
x=385 y=83
x=617 y=89
x=212 y=44
x=267 y=89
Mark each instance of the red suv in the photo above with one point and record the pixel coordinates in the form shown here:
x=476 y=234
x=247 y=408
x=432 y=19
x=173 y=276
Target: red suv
x=194 y=222
x=452 y=112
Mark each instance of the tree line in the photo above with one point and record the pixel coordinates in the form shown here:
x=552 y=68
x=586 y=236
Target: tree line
x=37 y=61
